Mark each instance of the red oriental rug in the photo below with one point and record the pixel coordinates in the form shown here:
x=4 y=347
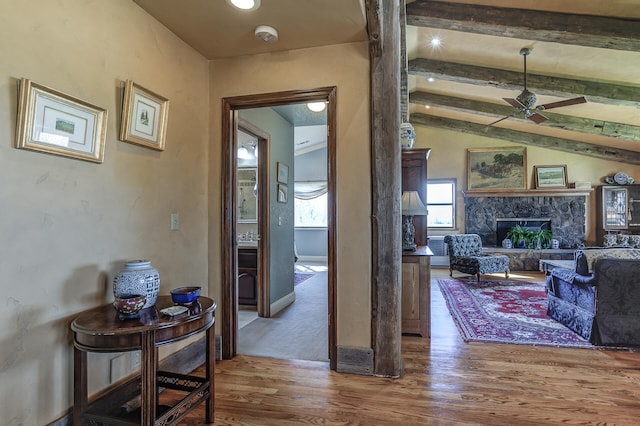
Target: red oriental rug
x=505 y=312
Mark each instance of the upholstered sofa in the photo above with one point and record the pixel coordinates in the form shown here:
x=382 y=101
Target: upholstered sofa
x=465 y=255
x=600 y=298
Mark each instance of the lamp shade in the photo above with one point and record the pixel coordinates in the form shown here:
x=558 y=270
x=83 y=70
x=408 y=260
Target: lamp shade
x=412 y=205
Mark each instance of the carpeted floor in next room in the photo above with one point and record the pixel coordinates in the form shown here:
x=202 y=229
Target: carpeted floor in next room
x=299 y=331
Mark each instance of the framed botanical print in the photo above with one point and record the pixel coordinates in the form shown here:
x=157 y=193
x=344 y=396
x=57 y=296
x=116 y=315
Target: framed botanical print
x=144 y=117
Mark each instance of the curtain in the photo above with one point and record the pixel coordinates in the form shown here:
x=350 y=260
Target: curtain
x=309 y=190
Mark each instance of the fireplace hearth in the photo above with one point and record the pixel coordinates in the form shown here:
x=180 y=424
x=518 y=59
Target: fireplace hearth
x=503 y=225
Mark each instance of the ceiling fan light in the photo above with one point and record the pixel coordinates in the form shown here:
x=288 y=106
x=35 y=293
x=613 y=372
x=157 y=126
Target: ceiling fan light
x=247 y=5
x=316 y=106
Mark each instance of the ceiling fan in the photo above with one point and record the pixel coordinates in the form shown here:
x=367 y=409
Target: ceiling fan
x=525 y=102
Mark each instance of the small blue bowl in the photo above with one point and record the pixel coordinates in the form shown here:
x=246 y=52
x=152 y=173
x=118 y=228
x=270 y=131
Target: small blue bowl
x=185 y=295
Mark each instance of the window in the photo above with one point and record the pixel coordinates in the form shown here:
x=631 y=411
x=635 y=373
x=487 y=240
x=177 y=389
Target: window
x=310 y=204
x=441 y=196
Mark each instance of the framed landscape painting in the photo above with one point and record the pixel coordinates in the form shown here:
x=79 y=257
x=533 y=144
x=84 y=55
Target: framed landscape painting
x=489 y=169
x=56 y=123
x=551 y=176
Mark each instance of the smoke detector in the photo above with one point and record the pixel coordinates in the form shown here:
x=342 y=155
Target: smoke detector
x=266 y=33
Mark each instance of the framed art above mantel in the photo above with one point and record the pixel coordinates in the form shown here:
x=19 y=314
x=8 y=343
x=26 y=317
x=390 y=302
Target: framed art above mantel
x=489 y=169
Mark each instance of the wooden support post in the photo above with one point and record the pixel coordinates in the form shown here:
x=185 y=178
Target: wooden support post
x=384 y=36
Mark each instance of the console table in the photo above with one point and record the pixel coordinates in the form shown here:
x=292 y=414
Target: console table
x=100 y=330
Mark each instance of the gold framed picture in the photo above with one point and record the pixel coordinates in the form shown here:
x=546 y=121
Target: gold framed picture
x=551 y=176
x=144 y=117
x=55 y=123
x=496 y=168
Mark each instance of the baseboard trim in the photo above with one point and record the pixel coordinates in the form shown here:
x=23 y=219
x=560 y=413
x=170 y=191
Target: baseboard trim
x=282 y=303
x=355 y=360
x=317 y=259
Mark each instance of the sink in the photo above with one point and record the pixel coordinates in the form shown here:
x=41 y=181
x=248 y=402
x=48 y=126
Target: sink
x=247 y=244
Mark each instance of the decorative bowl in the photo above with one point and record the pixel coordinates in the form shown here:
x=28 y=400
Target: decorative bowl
x=129 y=304
x=185 y=295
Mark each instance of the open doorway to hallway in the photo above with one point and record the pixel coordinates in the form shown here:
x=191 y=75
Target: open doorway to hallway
x=297 y=328
x=281 y=191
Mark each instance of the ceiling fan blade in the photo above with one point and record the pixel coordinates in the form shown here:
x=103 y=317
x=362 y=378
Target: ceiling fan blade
x=515 y=103
x=567 y=102
x=537 y=118
x=503 y=118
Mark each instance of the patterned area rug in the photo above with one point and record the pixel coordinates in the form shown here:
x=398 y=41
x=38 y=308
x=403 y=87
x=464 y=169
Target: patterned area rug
x=300 y=277
x=505 y=312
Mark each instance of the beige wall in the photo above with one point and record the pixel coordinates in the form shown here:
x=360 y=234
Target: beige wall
x=346 y=67
x=448 y=159
x=67 y=225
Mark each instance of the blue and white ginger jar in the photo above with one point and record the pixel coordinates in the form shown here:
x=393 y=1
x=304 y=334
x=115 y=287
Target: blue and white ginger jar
x=138 y=277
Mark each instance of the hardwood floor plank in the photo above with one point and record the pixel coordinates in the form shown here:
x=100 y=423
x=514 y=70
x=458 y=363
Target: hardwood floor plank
x=446 y=382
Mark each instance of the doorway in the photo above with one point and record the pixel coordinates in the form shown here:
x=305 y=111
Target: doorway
x=230 y=119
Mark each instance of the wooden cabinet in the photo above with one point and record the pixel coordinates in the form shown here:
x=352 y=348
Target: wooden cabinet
x=618 y=210
x=248 y=276
x=416 y=292
x=414 y=178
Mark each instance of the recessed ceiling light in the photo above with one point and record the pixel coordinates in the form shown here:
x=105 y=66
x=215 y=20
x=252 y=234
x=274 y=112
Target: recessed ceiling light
x=245 y=4
x=435 y=41
x=316 y=106
x=431 y=79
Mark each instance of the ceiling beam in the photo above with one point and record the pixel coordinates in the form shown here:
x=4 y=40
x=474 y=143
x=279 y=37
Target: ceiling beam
x=600 y=92
x=566 y=28
x=559 y=121
x=549 y=142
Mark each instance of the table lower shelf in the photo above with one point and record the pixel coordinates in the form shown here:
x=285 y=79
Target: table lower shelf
x=110 y=409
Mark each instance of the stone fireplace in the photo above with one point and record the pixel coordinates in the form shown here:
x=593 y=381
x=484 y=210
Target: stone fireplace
x=563 y=213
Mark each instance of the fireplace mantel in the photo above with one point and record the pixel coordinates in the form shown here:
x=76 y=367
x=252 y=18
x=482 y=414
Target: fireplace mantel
x=548 y=192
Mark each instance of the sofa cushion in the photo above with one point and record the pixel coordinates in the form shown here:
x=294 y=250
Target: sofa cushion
x=587 y=256
x=621 y=240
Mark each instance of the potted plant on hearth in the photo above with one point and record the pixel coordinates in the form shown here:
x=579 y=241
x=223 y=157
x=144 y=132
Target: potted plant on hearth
x=541 y=239
x=518 y=236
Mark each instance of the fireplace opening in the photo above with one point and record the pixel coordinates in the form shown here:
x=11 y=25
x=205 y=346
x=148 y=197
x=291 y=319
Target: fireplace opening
x=531 y=224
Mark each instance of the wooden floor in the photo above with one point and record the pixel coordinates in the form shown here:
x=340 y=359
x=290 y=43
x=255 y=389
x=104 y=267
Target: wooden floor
x=445 y=382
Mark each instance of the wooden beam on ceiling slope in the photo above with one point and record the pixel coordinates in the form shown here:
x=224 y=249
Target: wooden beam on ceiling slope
x=525 y=138
x=605 y=93
x=559 y=121
x=566 y=28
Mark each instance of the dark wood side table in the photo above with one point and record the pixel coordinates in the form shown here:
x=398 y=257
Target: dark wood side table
x=100 y=330
x=416 y=291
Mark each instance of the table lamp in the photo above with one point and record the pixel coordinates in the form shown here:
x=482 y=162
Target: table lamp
x=411 y=206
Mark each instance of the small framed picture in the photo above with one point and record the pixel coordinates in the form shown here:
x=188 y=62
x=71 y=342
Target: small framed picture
x=283 y=173
x=53 y=122
x=144 y=117
x=282 y=193
x=551 y=176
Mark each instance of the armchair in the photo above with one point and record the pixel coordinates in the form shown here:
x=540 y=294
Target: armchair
x=465 y=255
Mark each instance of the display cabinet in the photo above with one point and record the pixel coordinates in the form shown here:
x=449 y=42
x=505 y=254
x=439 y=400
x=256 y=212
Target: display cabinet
x=618 y=210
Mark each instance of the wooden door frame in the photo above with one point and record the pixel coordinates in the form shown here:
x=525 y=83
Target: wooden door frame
x=264 y=254
x=230 y=108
